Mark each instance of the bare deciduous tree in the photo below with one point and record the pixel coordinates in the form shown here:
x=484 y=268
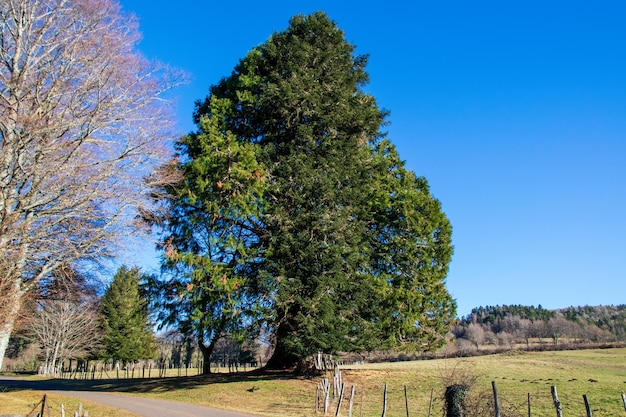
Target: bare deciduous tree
x=82 y=123
x=526 y=330
x=558 y=327
x=475 y=333
x=64 y=330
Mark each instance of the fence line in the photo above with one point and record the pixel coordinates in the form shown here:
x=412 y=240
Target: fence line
x=45 y=407
x=140 y=370
x=328 y=394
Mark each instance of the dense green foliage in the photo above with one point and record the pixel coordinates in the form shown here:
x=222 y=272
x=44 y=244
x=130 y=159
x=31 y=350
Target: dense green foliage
x=609 y=318
x=127 y=331
x=212 y=287
x=494 y=314
x=294 y=206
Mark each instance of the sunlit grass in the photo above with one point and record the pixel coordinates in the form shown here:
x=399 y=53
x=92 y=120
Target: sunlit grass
x=21 y=402
x=600 y=374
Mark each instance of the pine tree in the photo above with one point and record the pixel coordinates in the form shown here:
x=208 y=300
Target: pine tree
x=127 y=329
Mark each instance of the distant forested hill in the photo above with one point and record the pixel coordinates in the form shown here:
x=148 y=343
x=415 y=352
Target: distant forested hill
x=510 y=324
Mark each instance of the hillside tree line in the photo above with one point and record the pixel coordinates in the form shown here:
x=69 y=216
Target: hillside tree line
x=507 y=324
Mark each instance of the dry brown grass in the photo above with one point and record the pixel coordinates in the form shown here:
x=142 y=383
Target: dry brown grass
x=21 y=402
x=598 y=373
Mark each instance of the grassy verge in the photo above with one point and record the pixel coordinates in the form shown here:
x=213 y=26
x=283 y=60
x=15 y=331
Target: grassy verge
x=21 y=402
x=600 y=374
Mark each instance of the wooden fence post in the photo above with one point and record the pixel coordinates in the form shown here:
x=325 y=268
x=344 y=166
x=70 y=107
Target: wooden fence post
x=557 y=403
x=587 y=406
x=326 y=395
x=385 y=401
x=529 y=404
x=361 y=405
x=337 y=381
x=496 y=403
x=406 y=402
x=339 y=376
x=44 y=404
x=340 y=400
x=430 y=404
x=351 y=402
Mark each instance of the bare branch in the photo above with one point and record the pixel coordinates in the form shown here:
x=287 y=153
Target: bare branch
x=83 y=121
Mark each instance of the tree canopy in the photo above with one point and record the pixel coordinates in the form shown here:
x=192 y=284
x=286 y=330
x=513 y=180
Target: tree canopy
x=305 y=208
x=212 y=287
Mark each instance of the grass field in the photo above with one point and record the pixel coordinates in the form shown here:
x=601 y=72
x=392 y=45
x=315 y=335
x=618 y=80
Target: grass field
x=25 y=401
x=599 y=374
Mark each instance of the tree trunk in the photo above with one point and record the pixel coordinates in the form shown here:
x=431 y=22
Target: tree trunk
x=207 y=351
x=206 y=359
x=55 y=356
x=12 y=308
x=283 y=358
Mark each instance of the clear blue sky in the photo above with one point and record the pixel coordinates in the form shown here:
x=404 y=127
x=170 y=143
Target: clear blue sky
x=514 y=111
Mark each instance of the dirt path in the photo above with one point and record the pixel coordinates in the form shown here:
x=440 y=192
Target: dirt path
x=147 y=407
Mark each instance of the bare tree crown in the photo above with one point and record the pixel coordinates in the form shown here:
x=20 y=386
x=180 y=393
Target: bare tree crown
x=83 y=122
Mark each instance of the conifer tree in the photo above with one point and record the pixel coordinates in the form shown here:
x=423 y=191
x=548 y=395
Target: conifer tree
x=341 y=245
x=127 y=329
x=211 y=285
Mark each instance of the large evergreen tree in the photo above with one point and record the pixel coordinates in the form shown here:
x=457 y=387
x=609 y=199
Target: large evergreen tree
x=345 y=247
x=127 y=330
x=211 y=286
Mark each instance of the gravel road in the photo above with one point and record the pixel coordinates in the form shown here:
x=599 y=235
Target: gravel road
x=147 y=407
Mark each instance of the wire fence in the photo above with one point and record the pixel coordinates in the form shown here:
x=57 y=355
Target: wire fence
x=333 y=397
x=49 y=408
